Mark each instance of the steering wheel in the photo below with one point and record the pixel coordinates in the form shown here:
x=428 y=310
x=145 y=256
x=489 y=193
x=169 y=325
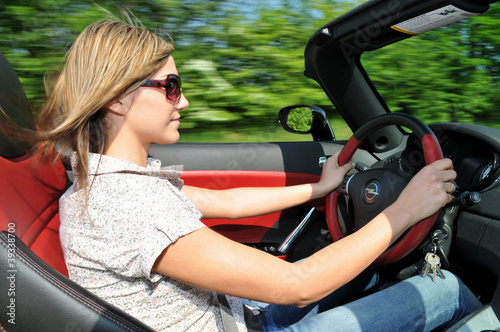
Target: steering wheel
x=372 y=190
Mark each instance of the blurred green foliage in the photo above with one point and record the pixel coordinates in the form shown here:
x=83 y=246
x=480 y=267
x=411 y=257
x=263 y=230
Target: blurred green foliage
x=242 y=61
x=448 y=74
x=300 y=119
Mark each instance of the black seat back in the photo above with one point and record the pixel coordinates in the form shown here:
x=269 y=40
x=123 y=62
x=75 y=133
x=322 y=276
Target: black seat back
x=15 y=106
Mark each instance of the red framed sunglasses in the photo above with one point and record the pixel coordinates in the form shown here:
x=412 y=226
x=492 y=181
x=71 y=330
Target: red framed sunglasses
x=172 y=85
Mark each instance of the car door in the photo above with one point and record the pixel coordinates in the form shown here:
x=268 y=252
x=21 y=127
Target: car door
x=227 y=165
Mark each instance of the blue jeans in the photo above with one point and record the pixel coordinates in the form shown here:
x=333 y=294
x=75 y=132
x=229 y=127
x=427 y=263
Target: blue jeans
x=416 y=304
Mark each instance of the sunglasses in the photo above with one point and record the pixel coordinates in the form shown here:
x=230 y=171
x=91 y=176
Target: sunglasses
x=172 y=85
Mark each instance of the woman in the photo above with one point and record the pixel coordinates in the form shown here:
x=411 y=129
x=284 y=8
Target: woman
x=131 y=232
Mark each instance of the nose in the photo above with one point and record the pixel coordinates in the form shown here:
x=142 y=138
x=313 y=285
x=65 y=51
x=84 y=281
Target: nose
x=183 y=103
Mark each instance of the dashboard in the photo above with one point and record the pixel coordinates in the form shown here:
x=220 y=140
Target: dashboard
x=476 y=162
x=474 y=150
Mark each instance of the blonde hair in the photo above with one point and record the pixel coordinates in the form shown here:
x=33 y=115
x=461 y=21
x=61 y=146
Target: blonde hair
x=108 y=60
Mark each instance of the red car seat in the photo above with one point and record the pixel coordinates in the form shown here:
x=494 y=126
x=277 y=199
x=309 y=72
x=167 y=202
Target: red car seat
x=35 y=290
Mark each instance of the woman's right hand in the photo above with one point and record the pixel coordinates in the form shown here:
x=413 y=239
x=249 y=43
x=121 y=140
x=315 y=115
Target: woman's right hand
x=428 y=191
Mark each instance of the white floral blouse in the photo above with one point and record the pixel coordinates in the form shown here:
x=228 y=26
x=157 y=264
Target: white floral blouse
x=110 y=245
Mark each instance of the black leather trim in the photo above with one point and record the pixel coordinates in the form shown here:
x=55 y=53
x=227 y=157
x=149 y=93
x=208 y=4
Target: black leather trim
x=401 y=119
x=42 y=299
x=297 y=157
x=15 y=106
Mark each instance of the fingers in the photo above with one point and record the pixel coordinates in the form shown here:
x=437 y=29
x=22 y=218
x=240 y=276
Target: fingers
x=346 y=167
x=333 y=161
x=447 y=175
x=431 y=188
x=449 y=187
x=443 y=164
x=445 y=169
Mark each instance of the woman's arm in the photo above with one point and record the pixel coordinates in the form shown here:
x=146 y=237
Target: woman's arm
x=211 y=261
x=249 y=202
x=208 y=260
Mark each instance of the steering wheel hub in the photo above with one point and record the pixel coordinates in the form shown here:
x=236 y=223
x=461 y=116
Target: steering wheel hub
x=372 y=191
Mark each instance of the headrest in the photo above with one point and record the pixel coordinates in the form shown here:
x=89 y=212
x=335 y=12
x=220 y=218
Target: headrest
x=14 y=104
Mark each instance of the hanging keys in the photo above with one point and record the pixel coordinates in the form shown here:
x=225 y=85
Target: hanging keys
x=432 y=265
x=426 y=269
x=437 y=237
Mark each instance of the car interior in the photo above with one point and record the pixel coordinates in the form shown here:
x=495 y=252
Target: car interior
x=37 y=294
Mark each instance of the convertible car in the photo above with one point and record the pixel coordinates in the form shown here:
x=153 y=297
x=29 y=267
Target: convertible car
x=388 y=148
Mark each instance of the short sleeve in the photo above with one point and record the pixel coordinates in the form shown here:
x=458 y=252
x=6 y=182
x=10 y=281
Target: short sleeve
x=135 y=217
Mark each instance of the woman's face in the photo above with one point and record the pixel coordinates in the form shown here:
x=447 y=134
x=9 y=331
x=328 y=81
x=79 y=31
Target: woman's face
x=150 y=117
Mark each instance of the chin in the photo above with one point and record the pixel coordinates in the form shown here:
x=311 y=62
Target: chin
x=172 y=139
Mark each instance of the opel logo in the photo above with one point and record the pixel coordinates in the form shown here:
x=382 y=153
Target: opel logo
x=372 y=190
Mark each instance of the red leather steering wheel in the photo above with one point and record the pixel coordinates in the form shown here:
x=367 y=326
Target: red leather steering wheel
x=369 y=190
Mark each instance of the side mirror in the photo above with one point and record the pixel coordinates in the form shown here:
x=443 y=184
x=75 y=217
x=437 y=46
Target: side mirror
x=306 y=119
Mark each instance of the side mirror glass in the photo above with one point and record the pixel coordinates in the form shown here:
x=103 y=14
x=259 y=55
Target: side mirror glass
x=299 y=120
x=306 y=119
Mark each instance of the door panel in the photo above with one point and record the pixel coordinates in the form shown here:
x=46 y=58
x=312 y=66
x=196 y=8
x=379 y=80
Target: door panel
x=229 y=165
x=249 y=230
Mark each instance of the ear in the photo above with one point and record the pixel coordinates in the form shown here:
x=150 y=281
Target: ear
x=116 y=107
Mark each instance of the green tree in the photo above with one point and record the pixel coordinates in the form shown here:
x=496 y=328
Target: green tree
x=448 y=74
x=241 y=62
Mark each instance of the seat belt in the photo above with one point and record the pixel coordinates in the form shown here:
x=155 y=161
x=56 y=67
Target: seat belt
x=228 y=321
x=227 y=315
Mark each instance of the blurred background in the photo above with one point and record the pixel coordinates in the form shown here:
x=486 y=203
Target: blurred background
x=242 y=61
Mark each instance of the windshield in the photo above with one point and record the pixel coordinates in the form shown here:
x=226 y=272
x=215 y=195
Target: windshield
x=450 y=74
